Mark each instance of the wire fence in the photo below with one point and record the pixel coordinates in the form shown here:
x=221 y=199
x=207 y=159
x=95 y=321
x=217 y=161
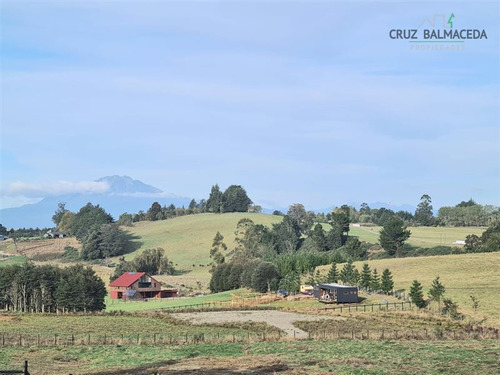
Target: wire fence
x=61 y=340
x=371 y=308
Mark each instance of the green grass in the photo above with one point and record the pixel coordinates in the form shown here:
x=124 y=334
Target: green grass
x=4 y=262
x=463 y=275
x=317 y=357
x=421 y=236
x=113 y=305
x=187 y=241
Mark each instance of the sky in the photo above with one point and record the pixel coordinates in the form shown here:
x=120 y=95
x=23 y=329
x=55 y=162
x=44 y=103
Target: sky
x=307 y=102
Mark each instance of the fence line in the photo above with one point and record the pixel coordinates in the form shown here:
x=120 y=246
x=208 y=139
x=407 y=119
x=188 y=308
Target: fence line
x=60 y=340
x=373 y=307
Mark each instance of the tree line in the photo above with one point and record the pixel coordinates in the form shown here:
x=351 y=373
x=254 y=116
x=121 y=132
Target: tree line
x=50 y=289
x=151 y=261
x=233 y=199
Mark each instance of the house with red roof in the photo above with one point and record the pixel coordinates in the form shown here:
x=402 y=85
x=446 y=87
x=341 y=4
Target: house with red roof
x=138 y=285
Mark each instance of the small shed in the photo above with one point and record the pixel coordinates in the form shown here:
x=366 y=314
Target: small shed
x=336 y=293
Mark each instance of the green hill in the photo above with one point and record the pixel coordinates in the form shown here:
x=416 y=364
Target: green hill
x=187 y=241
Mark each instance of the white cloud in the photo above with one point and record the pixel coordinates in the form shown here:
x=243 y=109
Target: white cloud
x=40 y=189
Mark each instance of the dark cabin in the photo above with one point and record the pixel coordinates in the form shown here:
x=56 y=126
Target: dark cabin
x=336 y=293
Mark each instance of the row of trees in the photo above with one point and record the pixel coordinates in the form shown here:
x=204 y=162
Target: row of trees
x=436 y=294
x=152 y=261
x=233 y=199
x=49 y=289
x=367 y=279
x=467 y=214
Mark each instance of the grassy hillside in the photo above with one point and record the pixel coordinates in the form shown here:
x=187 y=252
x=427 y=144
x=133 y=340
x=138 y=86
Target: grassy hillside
x=421 y=236
x=463 y=276
x=187 y=241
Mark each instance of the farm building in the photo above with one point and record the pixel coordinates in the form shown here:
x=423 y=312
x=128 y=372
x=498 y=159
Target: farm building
x=138 y=285
x=55 y=234
x=336 y=293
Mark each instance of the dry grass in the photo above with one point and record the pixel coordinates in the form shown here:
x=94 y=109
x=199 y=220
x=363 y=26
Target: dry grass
x=463 y=276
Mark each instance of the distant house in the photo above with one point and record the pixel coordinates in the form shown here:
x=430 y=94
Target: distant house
x=3 y=238
x=138 y=285
x=336 y=293
x=55 y=234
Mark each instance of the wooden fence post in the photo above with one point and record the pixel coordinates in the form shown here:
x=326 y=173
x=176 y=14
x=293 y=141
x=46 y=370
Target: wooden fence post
x=26 y=368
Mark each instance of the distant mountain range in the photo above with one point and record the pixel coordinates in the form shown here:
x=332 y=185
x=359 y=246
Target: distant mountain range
x=124 y=195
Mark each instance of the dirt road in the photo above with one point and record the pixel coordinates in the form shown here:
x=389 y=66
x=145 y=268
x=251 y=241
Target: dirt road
x=280 y=319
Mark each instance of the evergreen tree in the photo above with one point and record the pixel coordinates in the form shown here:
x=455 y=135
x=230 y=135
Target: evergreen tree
x=319 y=237
x=423 y=213
x=155 y=212
x=214 y=201
x=375 y=283
x=291 y=282
x=192 y=205
x=235 y=199
x=347 y=273
x=417 y=294
x=218 y=249
x=436 y=292
x=366 y=277
x=355 y=277
x=333 y=274
x=265 y=278
x=393 y=236
x=387 y=284
x=318 y=278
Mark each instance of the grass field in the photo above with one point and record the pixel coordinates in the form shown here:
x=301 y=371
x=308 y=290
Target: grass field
x=299 y=357
x=421 y=236
x=187 y=241
x=113 y=305
x=463 y=275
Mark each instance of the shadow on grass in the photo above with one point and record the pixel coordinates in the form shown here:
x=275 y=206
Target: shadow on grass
x=161 y=368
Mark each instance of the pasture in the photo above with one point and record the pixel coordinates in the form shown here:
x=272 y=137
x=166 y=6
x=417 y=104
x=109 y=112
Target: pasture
x=288 y=358
x=463 y=275
x=421 y=236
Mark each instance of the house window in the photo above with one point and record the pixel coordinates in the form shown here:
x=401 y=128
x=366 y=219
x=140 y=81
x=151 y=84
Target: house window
x=345 y=293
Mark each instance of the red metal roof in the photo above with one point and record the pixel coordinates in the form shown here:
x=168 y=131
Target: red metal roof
x=127 y=279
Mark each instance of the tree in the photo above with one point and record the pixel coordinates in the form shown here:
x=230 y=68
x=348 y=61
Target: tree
x=286 y=235
x=265 y=278
x=125 y=219
x=153 y=261
x=417 y=295
x=450 y=308
x=235 y=199
x=375 y=282
x=436 y=292
x=192 y=205
x=107 y=241
x=386 y=284
x=354 y=249
x=393 y=236
x=291 y=282
x=89 y=219
x=319 y=237
x=61 y=209
x=333 y=274
x=340 y=220
x=364 y=209
x=473 y=244
x=347 y=274
x=218 y=249
x=66 y=222
x=366 y=277
x=214 y=201
x=297 y=213
x=154 y=213
x=423 y=213
x=318 y=277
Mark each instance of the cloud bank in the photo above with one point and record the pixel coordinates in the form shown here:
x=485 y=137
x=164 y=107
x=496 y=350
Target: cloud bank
x=41 y=189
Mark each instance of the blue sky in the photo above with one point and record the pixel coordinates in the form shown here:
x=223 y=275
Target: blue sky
x=296 y=101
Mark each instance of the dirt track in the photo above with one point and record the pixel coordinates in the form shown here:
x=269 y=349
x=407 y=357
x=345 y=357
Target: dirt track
x=280 y=319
